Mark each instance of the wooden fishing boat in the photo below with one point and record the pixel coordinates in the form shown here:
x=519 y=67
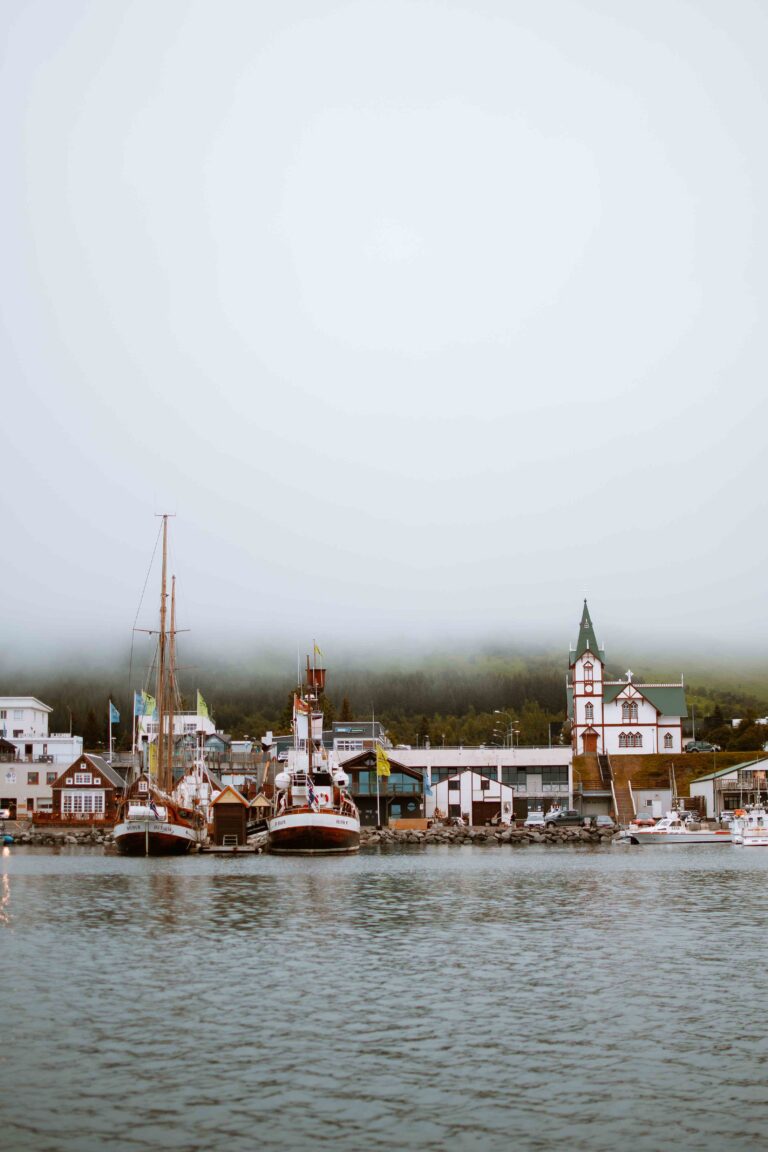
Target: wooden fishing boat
x=150 y=820
x=315 y=814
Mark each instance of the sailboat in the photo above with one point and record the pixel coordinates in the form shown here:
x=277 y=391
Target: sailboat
x=315 y=814
x=151 y=821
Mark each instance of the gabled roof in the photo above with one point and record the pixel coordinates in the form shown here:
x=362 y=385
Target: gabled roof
x=746 y=766
x=96 y=764
x=230 y=795
x=668 y=699
x=587 y=641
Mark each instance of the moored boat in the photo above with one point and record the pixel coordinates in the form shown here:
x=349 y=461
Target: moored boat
x=749 y=827
x=673 y=830
x=150 y=821
x=315 y=814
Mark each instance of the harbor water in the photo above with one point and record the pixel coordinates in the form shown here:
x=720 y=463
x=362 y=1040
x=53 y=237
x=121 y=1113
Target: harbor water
x=478 y=998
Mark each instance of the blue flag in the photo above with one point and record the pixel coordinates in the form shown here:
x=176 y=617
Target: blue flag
x=114 y=715
x=138 y=703
x=427 y=783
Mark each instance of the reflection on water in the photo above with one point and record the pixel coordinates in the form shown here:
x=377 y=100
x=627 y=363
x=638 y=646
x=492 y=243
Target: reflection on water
x=454 y=998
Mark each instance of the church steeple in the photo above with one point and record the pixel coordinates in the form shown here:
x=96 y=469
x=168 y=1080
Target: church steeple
x=587 y=640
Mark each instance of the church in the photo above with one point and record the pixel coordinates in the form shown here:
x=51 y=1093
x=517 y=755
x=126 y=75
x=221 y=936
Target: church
x=619 y=716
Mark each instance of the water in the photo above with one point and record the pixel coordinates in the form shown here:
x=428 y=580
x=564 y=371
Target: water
x=450 y=998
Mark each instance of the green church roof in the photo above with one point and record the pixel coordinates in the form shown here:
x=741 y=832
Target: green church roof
x=669 y=699
x=587 y=641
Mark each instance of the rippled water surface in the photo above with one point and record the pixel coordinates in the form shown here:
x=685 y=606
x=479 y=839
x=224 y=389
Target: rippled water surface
x=454 y=998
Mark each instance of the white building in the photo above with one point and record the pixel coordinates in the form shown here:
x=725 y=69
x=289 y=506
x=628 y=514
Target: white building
x=24 y=723
x=184 y=724
x=25 y=780
x=534 y=777
x=619 y=716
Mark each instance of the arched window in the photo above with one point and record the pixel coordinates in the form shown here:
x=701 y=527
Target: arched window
x=637 y=740
x=667 y=741
x=633 y=711
x=589 y=712
x=623 y=740
x=588 y=671
x=629 y=712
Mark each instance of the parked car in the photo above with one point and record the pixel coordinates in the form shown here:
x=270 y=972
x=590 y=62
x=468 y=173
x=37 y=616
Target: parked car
x=534 y=819
x=601 y=821
x=563 y=816
x=726 y=817
x=699 y=746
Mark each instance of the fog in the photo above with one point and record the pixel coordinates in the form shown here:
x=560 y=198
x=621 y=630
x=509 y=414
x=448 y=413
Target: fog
x=425 y=321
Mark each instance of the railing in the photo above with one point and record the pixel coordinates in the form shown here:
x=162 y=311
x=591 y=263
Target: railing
x=72 y=818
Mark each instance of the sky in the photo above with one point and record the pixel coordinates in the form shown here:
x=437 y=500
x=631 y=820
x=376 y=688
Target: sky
x=425 y=320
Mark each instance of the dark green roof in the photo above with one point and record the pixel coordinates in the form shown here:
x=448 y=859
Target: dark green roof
x=669 y=700
x=587 y=641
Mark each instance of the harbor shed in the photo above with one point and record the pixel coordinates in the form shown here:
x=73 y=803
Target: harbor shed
x=731 y=787
x=475 y=797
x=230 y=818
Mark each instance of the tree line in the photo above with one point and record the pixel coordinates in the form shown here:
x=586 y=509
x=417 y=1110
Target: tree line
x=469 y=700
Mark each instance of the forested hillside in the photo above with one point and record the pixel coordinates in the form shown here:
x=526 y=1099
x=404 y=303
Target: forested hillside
x=483 y=698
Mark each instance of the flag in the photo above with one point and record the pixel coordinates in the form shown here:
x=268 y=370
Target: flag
x=153 y=757
x=311 y=794
x=114 y=715
x=318 y=651
x=202 y=707
x=150 y=705
x=382 y=761
x=153 y=808
x=138 y=703
x=427 y=783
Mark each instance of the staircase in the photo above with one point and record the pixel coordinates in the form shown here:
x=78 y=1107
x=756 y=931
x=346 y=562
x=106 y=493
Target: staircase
x=622 y=796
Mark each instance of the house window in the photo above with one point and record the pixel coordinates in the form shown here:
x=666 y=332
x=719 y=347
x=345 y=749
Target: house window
x=589 y=712
x=83 y=778
x=667 y=741
x=30 y=804
x=142 y=786
x=97 y=779
x=3 y=713
x=629 y=712
x=484 y=784
x=18 y=714
x=50 y=777
x=623 y=738
x=83 y=803
x=33 y=777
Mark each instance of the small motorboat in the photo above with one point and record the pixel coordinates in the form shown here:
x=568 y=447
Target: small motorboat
x=673 y=829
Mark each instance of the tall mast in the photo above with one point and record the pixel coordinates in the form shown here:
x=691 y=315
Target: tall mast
x=161 y=677
x=171 y=685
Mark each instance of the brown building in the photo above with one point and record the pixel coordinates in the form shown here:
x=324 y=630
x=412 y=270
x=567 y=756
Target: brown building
x=88 y=790
x=230 y=818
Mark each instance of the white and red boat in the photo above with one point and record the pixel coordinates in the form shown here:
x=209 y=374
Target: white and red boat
x=150 y=820
x=315 y=814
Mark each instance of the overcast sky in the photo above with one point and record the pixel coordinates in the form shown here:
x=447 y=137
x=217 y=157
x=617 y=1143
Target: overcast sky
x=426 y=319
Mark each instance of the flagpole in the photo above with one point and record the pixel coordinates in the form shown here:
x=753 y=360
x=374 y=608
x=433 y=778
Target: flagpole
x=378 y=794
x=110 y=731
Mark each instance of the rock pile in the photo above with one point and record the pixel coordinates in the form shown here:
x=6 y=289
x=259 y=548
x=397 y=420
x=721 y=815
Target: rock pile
x=57 y=837
x=440 y=834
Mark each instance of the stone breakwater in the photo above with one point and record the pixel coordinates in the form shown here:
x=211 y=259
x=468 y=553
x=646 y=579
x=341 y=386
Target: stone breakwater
x=519 y=837
x=56 y=837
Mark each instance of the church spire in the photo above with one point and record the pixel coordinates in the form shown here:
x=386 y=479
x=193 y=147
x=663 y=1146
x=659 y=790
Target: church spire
x=587 y=639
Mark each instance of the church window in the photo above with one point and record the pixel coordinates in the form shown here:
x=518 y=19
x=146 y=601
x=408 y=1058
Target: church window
x=589 y=712
x=588 y=672
x=629 y=711
x=623 y=738
x=667 y=741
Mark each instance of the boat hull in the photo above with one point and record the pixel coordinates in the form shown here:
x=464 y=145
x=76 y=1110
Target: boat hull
x=153 y=838
x=314 y=833
x=648 y=836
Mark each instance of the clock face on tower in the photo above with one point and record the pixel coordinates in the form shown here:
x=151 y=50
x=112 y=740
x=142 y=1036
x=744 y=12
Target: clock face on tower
x=588 y=688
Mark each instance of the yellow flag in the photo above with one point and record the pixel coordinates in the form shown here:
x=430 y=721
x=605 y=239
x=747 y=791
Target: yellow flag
x=382 y=761
x=317 y=650
x=153 y=757
x=202 y=707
